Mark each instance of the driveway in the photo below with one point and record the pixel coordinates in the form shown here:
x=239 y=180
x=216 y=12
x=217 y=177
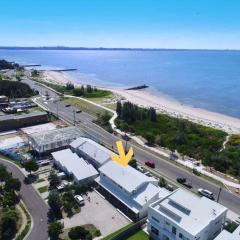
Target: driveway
x=98 y=212
x=35 y=204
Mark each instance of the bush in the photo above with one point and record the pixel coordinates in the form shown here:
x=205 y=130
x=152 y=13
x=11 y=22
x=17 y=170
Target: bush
x=79 y=233
x=54 y=230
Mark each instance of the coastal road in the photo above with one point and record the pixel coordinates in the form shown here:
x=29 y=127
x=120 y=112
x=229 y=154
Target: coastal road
x=34 y=203
x=164 y=167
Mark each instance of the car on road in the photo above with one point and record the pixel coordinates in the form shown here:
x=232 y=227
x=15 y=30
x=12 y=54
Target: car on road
x=150 y=164
x=78 y=111
x=67 y=105
x=79 y=199
x=184 y=182
x=206 y=193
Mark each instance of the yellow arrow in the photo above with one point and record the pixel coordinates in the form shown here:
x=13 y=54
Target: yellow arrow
x=122 y=158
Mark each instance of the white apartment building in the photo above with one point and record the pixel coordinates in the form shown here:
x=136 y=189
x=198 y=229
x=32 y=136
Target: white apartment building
x=185 y=216
x=71 y=164
x=128 y=189
x=92 y=151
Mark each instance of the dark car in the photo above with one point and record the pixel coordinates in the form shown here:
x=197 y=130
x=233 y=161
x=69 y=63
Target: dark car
x=67 y=105
x=78 y=111
x=184 y=182
x=150 y=164
x=181 y=180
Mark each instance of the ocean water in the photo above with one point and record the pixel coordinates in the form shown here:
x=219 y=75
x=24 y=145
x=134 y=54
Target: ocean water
x=205 y=79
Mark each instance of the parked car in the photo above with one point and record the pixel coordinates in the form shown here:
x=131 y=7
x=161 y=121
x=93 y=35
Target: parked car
x=78 y=111
x=206 y=193
x=67 y=105
x=184 y=182
x=79 y=199
x=150 y=164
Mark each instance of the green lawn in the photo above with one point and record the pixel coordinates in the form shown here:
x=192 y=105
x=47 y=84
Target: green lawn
x=140 y=235
x=43 y=189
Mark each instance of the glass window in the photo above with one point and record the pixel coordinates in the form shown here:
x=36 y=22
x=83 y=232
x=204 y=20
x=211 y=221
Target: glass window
x=180 y=235
x=155 y=219
x=174 y=230
x=154 y=230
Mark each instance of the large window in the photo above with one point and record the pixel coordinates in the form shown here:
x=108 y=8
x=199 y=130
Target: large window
x=174 y=230
x=154 y=230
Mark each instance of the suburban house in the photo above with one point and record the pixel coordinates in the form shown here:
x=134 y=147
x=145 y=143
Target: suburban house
x=128 y=189
x=71 y=164
x=185 y=216
x=92 y=151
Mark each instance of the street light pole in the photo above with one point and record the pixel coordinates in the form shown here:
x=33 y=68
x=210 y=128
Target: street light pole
x=220 y=189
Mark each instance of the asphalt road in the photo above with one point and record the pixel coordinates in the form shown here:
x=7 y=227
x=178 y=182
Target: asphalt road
x=34 y=203
x=166 y=168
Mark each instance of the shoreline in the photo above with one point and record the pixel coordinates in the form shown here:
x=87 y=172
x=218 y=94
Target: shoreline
x=162 y=104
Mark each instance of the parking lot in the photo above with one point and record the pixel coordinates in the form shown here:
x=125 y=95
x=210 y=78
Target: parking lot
x=99 y=212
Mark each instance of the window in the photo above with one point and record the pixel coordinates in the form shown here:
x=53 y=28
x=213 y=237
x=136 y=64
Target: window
x=174 y=230
x=155 y=219
x=167 y=223
x=180 y=235
x=154 y=230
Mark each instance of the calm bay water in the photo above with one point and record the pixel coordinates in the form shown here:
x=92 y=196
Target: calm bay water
x=205 y=79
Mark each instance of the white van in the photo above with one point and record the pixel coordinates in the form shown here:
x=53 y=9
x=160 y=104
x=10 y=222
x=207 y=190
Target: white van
x=206 y=193
x=79 y=199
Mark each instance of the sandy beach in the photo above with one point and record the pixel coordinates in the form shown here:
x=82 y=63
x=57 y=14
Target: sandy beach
x=163 y=104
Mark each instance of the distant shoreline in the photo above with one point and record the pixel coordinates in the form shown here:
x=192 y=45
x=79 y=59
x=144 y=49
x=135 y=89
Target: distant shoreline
x=162 y=104
x=113 y=49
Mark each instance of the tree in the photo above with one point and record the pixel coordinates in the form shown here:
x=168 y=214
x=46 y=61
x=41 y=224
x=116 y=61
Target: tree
x=119 y=108
x=133 y=163
x=55 y=204
x=78 y=92
x=89 y=89
x=54 y=180
x=31 y=166
x=9 y=224
x=10 y=199
x=54 y=230
x=4 y=174
x=152 y=114
x=69 y=86
x=12 y=184
x=150 y=138
x=162 y=182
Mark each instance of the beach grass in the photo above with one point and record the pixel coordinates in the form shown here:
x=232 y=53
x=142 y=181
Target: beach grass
x=85 y=106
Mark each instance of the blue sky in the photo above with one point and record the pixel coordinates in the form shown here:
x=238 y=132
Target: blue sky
x=121 y=23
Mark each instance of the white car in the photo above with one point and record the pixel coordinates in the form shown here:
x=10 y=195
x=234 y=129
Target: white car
x=206 y=193
x=79 y=199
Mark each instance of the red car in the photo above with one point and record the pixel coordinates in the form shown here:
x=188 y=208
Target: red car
x=150 y=164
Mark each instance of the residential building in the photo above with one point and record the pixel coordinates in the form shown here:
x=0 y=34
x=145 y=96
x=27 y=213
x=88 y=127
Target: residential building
x=225 y=235
x=128 y=189
x=71 y=164
x=92 y=151
x=185 y=216
x=52 y=140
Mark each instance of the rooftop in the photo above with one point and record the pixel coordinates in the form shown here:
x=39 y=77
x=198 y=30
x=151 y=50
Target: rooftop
x=92 y=149
x=56 y=135
x=75 y=165
x=21 y=116
x=127 y=177
x=225 y=235
x=186 y=210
